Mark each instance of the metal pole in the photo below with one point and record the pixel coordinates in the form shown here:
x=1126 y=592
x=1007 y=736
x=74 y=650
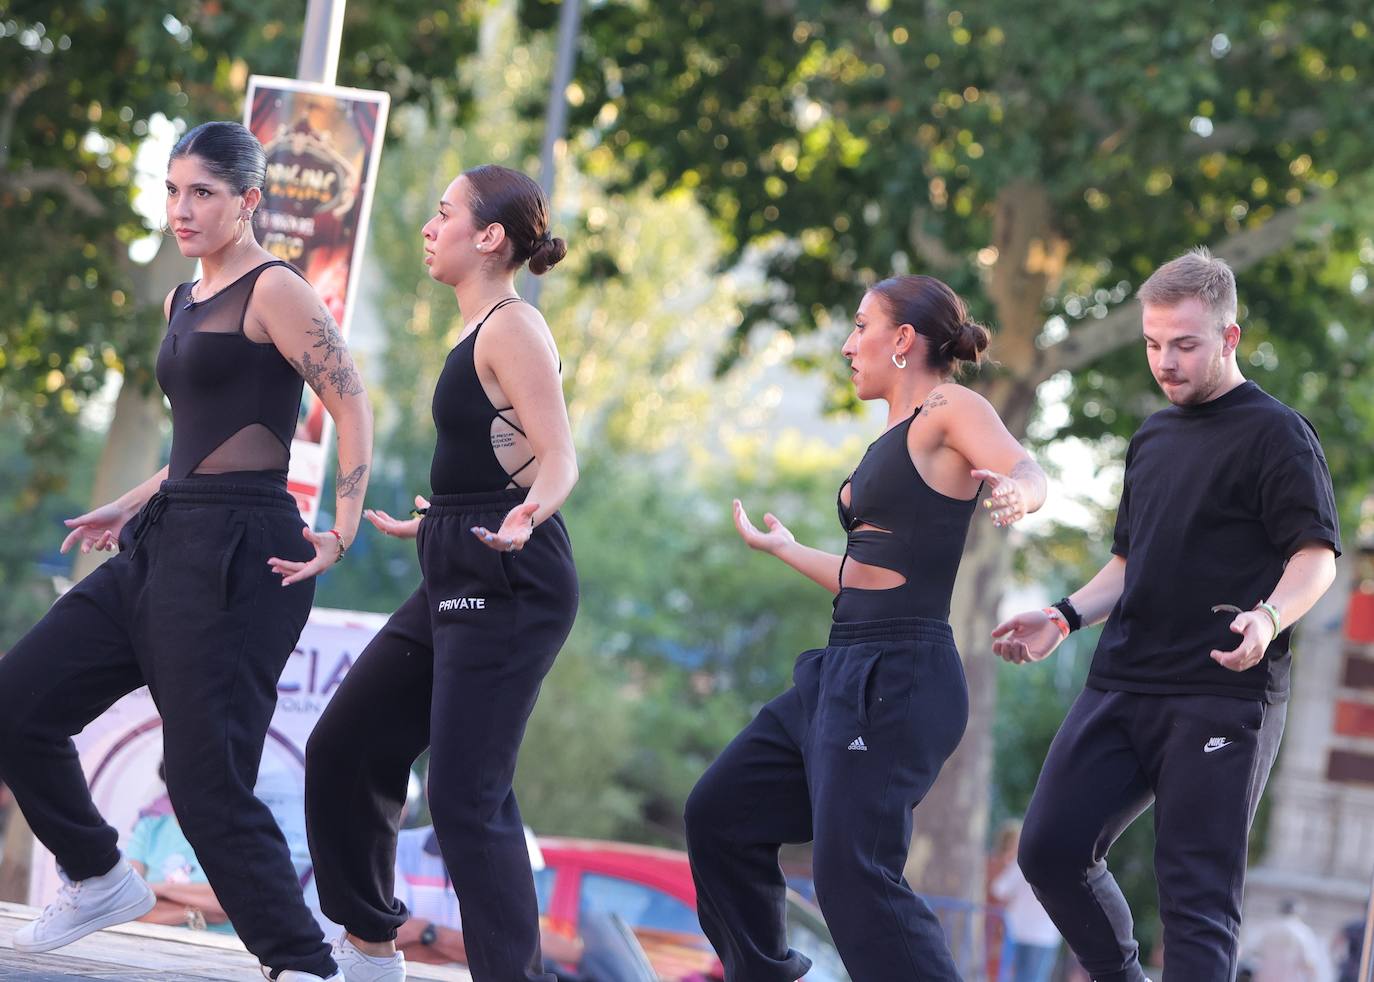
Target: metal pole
x=556 y=116
x=319 y=58
x=1367 y=951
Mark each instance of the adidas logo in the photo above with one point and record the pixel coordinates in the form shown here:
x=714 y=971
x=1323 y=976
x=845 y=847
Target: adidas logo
x=858 y=744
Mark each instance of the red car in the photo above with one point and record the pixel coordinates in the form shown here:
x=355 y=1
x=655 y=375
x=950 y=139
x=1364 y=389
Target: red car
x=651 y=889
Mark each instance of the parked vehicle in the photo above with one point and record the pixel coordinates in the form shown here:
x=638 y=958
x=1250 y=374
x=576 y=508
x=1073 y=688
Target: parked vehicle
x=651 y=890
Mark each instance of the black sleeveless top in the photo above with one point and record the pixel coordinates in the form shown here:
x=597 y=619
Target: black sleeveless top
x=464 y=460
x=923 y=538
x=235 y=401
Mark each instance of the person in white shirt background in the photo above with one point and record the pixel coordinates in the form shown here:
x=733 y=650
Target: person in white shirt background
x=1287 y=949
x=1031 y=942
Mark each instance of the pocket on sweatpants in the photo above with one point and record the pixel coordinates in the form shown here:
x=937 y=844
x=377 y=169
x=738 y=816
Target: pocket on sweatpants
x=226 y=564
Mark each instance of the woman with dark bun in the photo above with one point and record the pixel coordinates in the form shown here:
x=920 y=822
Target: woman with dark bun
x=844 y=756
x=211 y=587
x=458 y=666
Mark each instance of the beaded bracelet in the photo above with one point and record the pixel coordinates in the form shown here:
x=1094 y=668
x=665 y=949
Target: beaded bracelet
x=342 y=548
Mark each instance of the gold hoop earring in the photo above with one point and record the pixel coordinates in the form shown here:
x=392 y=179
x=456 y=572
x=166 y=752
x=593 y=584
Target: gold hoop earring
x=899 y=364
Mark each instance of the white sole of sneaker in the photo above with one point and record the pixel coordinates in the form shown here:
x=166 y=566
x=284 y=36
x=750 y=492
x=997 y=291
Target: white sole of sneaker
x=128 y=912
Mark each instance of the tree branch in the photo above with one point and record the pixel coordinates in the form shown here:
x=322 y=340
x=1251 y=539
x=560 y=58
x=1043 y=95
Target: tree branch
x=931 y=248
x=1091 y=341
x=51 y=179
x=37 y=78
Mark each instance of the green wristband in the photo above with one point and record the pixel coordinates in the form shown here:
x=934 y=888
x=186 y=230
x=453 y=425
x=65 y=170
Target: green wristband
x=1273 y=613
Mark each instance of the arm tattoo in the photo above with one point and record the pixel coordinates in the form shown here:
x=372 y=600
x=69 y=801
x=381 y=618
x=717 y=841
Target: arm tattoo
x=933 y=401
x=309 y=369
x=1025 y=469
x=348 y=486
x=343 y=376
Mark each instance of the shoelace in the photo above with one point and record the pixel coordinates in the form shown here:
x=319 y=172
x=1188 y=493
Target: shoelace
x=66 y=900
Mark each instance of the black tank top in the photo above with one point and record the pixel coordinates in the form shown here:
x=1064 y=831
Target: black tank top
x=923 y=541
x=465 y=461
x=235 y=401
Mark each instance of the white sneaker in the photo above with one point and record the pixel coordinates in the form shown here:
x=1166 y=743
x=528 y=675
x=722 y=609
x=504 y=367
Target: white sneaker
x=85 y=906
x=358 y=967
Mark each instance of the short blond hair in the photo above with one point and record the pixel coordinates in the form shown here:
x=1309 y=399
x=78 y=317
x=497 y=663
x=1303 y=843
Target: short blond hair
x=1196 y=274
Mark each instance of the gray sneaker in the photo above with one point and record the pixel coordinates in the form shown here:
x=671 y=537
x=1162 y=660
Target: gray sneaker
x=85 y=906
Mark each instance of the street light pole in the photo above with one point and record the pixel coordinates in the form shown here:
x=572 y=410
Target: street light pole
x=556 y=116
x=319 y=58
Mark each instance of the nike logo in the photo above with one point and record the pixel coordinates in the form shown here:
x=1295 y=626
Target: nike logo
x=1216 y=743
x=858 y=744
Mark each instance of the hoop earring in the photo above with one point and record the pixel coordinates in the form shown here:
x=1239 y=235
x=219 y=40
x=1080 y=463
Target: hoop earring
x=899 y=364
x=164 y=228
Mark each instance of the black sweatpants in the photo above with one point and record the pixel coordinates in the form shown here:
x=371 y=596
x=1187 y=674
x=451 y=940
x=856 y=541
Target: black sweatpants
x=456 y=669
x=1203 y=760
x=841 y=758
x=190 y=607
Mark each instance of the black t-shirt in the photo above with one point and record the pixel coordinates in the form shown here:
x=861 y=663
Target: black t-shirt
x=1216 y=498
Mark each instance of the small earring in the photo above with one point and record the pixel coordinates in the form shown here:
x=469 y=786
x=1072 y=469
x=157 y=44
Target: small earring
x=899 y=364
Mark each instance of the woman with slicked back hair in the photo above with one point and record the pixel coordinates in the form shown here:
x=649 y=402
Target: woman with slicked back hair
x=211 y=587
x=458 y=666
x=844 y=756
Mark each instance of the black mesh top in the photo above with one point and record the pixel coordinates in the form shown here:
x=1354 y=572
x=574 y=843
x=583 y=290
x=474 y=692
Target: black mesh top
x=235 y=401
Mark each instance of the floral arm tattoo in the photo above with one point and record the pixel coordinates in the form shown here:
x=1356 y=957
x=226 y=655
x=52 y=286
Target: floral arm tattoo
x=329 y=343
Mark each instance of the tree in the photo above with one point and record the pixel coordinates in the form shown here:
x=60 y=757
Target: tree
x=1042 y=160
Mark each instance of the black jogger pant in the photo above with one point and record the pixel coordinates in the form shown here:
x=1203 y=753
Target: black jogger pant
x=456 y=669
x=190 y=607
x=1203 y=760
x=841 y=758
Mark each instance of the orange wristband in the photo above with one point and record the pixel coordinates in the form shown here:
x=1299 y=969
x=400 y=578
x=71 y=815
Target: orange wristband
x=1054 y=615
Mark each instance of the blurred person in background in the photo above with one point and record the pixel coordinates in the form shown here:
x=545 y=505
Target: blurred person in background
x=1031 y=941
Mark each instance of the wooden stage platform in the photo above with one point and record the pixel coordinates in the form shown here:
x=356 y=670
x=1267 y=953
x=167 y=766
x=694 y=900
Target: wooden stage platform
x=147 y=953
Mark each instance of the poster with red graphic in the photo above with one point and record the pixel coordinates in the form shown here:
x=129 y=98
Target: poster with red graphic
x=323 y=146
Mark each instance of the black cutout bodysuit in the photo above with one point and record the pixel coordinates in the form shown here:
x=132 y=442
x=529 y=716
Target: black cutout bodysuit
x=923 y=539
x=464 y=461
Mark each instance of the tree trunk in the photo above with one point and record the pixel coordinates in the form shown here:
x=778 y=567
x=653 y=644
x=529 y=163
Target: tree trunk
x=130 y=455
x=948 y=850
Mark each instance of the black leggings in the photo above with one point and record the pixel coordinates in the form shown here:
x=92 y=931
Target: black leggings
x=190 y=608
x=456 y=669
x=841 y=758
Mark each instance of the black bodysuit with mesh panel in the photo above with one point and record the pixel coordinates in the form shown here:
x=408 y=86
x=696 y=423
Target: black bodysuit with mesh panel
x=235 y=401
x=917 y=532
x=464 y=461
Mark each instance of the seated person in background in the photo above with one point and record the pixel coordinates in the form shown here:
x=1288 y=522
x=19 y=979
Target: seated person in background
x=434 y=933
x=158 y=852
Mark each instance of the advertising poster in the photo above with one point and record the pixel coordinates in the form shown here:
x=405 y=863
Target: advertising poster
x=323 y=146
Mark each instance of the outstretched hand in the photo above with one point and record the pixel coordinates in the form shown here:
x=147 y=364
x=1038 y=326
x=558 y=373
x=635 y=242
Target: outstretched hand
x=326 y=555
x=1006 y=502
x=1256 y=630
x=1027 y=637
x=771 y=541
x=97 y=529
x=406 y=528
x=514 y=532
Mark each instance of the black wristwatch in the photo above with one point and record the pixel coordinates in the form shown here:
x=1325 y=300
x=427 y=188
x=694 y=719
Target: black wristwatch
x=429 y=935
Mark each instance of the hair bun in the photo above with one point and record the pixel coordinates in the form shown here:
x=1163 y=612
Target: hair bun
x=548 y=251
x=970 y=340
